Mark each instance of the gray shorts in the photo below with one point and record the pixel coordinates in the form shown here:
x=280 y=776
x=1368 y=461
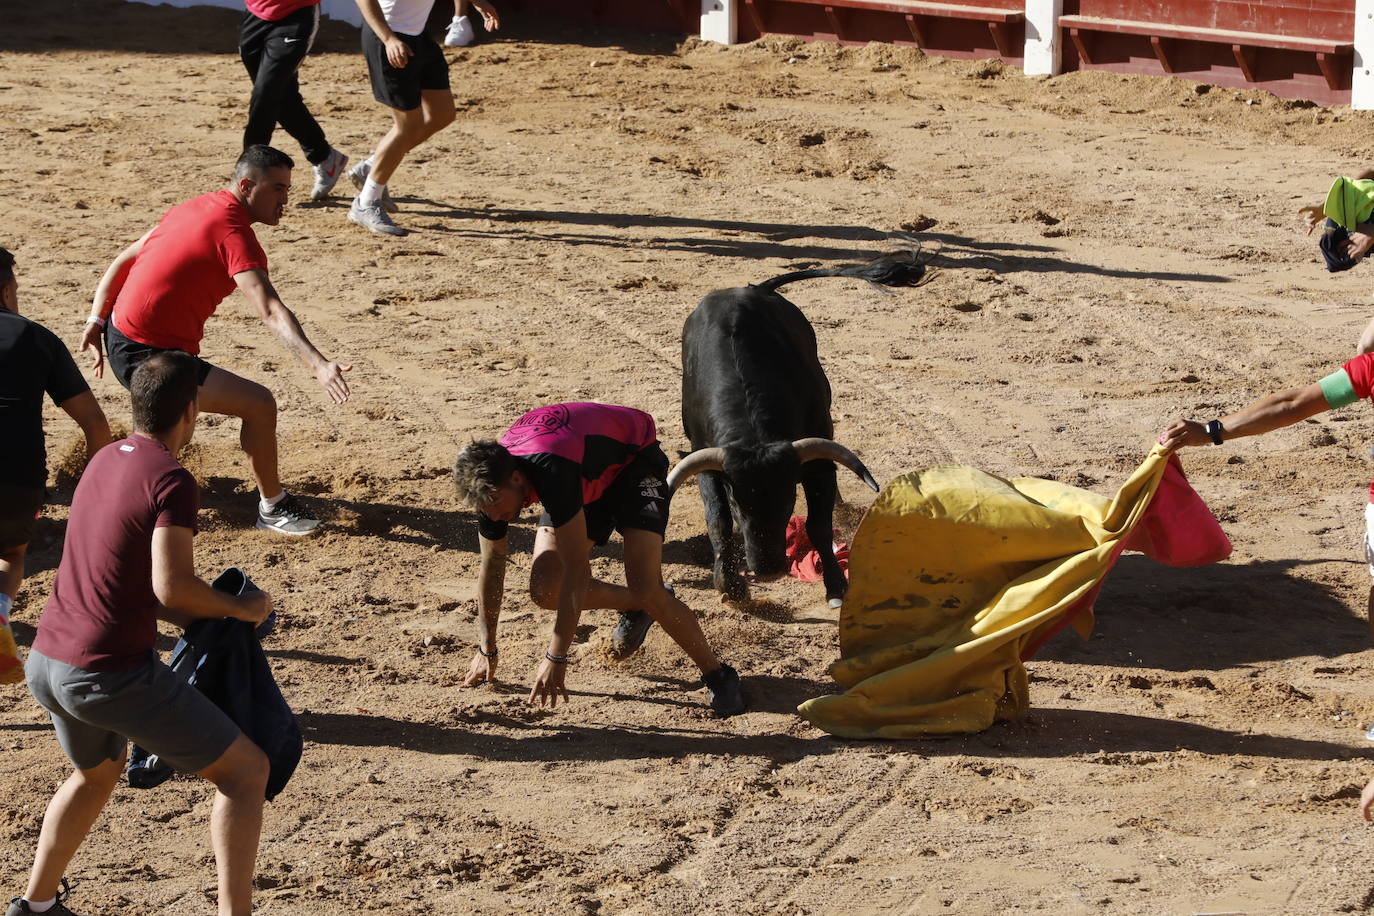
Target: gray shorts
x=95 y=712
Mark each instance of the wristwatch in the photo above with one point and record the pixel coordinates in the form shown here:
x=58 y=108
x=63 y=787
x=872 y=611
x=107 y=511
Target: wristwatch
x=1215 y=429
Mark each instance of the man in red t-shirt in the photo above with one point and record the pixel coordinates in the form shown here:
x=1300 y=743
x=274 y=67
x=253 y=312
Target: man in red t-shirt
x=128 y=562
x=160 y=291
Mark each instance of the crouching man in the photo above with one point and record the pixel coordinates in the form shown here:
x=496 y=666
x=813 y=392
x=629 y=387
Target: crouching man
x=594 y=467
x=128 y=562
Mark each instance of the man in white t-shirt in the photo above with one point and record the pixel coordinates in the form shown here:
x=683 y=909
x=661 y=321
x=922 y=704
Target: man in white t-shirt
x=409 y=76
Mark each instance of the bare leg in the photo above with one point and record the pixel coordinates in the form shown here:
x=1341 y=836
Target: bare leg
x=644 y=576
x=240 y=775
x=409 y=129
x=70 y=815
x=12 y=569
x=546 y=574
x=226 y=393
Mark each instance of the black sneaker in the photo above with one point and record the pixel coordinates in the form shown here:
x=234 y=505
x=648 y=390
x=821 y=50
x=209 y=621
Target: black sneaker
x=631 y=629
x=727 y=695
x=629 y=633
x=20 y=907
x=287 y=517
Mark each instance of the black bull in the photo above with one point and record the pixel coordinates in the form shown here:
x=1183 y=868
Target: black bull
x=756 y=407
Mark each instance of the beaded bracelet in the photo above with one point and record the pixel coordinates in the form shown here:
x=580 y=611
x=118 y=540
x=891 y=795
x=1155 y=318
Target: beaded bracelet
x=492 y=654
x=556 y=659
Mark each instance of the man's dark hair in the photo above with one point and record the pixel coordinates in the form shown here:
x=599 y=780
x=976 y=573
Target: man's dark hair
x=481 y=468
x=6 y=268
x=161 y=387
x=257 y=159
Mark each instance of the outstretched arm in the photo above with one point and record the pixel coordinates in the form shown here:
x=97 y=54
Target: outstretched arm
x=256 y=285
x=573 y=548
x=102 y=304
x=491 y=584
x=1270 y=412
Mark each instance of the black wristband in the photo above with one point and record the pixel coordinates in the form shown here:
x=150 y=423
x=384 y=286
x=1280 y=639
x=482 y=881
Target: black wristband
x=492 y=654
x=556 y=659
x=1215 y=429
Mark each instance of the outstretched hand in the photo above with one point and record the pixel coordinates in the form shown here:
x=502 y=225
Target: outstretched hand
x=90 y=340
x=1183 y=433
x=481 y=671
x=1313 y=216
x=490 y=19
x=548 y=684
x=330 y=377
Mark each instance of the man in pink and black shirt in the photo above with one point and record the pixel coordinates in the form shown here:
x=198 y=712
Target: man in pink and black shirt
x=594 y=468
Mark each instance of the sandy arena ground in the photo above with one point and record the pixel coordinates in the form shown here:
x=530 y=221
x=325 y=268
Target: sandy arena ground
x=1114 y=252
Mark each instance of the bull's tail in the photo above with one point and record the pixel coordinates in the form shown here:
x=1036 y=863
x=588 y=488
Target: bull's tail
x=901 y=268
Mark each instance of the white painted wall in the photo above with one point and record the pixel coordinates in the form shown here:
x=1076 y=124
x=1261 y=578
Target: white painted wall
x=720 y=20
x=1042 y=37
x=1362 y=80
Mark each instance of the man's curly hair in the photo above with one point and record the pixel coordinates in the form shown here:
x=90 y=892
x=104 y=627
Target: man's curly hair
x=480 y=469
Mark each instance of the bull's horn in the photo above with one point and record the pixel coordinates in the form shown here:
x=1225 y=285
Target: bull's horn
x=830 y=450
x=703 y=459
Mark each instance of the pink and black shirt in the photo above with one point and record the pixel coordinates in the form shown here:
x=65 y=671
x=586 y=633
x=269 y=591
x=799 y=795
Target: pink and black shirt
x=571 y=454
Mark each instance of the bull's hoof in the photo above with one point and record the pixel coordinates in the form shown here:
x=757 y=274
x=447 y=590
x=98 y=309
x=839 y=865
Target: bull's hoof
x=834 y=602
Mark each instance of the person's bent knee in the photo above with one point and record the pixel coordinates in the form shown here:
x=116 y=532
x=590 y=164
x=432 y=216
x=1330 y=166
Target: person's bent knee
x=546 y=575
x=241 y=771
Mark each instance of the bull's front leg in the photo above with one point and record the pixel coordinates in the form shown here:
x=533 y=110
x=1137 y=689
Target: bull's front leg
x=720 y=527
x=818 y=482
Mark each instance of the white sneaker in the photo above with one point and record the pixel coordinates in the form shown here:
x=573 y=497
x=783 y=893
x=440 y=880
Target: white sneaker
x=460 y=33
x=373 y=218
x=286 y=517
x=328 y=173
x=359 y=178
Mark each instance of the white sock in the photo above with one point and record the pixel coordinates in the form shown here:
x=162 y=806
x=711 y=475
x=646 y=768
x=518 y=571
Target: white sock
x=6 y=602
x=267 y=505
x=371 y=194
x=36 y=907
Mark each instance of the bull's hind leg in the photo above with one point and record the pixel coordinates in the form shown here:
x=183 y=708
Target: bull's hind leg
x=720 y=527
x=818 y=482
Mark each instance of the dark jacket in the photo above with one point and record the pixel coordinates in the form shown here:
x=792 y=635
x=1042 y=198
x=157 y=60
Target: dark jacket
x=223 y=659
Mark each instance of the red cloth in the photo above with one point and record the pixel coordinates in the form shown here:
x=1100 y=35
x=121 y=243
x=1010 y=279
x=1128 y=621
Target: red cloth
x=1177 y=529
x=102 y=615
x=803 y=561
x=184 y=271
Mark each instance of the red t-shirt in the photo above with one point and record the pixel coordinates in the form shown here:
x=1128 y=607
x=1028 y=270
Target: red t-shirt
x=272 y=10
x=184 y=271
x=102 y=615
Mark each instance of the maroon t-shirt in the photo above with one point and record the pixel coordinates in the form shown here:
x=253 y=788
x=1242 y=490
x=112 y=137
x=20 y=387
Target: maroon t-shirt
x=102 y=615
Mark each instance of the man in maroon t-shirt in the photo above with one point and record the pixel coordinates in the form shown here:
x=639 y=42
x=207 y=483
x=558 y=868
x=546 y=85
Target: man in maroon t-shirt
x=127 y=563
x=160 y=291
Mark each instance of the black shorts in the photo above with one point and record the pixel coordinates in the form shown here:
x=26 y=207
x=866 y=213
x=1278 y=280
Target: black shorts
x=18 y=509
x=126 y=354
x=637 y=498
x=401 y=88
